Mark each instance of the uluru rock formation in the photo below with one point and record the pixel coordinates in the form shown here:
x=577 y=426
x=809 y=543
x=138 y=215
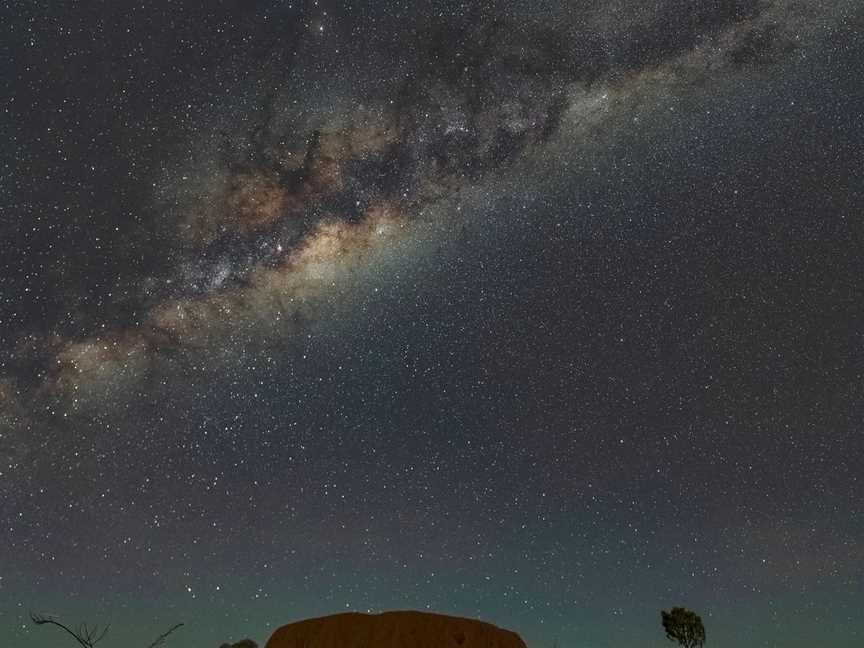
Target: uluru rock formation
x=393 y=630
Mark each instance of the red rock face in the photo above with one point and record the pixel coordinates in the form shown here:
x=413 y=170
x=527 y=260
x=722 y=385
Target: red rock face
x=393 y=630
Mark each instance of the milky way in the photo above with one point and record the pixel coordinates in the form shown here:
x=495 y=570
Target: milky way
x=288 y=202
x=526 y=313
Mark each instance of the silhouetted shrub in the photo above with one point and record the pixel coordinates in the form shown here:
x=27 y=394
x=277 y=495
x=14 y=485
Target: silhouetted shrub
x=683 y=626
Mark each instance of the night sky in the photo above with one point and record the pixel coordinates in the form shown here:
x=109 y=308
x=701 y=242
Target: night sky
x=548 y=313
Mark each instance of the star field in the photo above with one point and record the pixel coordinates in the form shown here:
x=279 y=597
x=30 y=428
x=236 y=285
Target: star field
x=543 y=313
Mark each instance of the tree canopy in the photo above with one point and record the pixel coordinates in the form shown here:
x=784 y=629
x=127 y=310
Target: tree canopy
x=684 y=626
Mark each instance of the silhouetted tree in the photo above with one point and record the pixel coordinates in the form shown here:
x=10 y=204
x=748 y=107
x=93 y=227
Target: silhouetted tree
x=683 y=626
x=246 y=643
x=88 y=637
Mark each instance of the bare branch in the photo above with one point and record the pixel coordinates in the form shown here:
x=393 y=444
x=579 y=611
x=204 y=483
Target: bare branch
x=86 y=637
x=102 y=636
x=161 y=638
